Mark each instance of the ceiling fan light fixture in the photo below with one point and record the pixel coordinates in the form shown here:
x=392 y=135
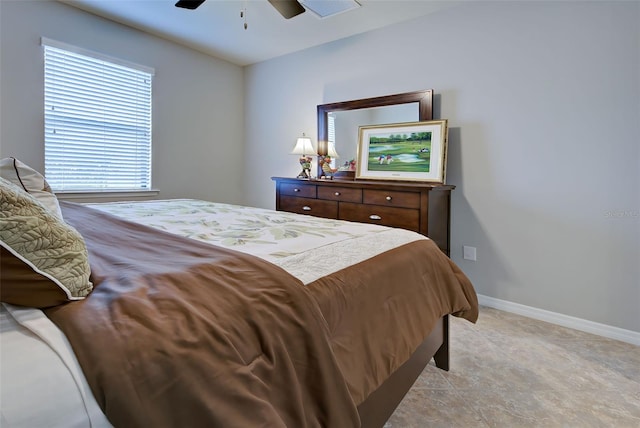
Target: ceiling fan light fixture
x=327 y=8
x=287 y=8
x=189 y=4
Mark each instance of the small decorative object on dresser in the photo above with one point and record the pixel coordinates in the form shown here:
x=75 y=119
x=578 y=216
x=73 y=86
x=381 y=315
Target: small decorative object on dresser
x=421 y=207
x=413 y=151
x=305 y=149
x=327 y=171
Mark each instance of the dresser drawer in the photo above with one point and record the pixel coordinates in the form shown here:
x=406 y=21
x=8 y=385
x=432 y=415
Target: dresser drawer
x=387 y=216
x=316 y=207
x=346 y=194
x=392 y=198
x=295 y=189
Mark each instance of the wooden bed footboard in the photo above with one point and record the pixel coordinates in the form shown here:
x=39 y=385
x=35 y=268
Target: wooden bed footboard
x=381 y=403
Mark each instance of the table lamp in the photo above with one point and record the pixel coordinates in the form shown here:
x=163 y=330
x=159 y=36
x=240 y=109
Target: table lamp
x=304 y=148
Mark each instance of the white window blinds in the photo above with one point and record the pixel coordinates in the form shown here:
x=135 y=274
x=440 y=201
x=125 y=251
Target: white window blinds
x=331 y=128
x=97 y=121
x=331 y=138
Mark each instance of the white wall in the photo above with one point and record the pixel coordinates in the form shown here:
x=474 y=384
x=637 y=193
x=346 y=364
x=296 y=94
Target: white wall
x=197 y=100
x=543 y=100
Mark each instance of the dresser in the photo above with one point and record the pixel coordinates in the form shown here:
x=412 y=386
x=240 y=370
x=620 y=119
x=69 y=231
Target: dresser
x=423 y=208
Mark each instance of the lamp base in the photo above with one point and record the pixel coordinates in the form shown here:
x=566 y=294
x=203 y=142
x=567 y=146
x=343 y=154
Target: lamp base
x=305 y=173
x=305 y=163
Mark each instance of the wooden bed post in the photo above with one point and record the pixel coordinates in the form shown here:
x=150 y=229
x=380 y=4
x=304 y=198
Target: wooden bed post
x=441 y=356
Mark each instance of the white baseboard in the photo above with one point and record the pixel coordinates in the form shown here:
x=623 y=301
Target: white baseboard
x=604 y=330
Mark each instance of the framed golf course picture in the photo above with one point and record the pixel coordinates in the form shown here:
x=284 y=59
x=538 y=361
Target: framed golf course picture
x=412 y=151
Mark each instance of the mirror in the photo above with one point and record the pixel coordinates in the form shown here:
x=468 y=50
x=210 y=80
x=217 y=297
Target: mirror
x=347 y=116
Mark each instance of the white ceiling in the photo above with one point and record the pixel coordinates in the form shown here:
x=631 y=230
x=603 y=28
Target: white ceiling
x=216 y=27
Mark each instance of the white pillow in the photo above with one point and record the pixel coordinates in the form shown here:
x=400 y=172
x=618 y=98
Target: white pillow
x=42 y=382
x=31 y=181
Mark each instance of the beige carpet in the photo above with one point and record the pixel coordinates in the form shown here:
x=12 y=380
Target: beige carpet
x=512 y=371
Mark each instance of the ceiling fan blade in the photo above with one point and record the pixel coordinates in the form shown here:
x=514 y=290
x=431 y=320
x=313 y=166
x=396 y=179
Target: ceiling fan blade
x=287 y=8
x=189 y=4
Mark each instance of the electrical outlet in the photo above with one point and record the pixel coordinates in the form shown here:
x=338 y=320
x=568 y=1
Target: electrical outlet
x=469 y=253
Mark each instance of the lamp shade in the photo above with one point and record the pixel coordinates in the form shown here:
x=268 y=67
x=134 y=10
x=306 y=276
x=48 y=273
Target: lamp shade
x=304 y=147
x=331 y=151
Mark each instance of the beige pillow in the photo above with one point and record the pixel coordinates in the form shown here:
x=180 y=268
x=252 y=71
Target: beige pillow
x=31 y=181
x=44 y=260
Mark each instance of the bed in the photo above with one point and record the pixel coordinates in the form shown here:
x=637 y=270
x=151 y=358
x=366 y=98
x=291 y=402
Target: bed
x=209 y=314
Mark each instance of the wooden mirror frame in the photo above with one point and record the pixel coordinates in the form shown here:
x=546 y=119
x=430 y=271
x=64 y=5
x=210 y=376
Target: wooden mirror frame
x=424 y=99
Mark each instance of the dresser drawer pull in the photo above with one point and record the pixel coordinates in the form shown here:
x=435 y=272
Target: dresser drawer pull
x=337 y=193
x=296 y=190
x=388 y=198
x=306 y=208
x=375 y=217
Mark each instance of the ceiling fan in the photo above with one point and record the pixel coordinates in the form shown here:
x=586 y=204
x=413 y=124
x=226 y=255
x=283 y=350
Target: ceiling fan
x=287 y=8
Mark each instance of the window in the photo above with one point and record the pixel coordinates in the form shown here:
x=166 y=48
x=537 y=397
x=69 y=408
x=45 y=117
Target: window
x=97 y=121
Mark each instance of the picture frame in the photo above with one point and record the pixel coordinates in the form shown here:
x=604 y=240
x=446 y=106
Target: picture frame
x=411 y=151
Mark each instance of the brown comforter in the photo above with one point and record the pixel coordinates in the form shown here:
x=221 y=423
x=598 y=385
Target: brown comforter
x=182 y=333
x=379 y=311
x=179 y=333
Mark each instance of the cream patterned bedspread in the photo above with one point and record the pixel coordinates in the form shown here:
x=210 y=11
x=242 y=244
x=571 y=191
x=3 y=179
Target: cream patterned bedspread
x=307 y=247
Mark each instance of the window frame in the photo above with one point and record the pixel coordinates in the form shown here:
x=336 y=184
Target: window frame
x=109 y=190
